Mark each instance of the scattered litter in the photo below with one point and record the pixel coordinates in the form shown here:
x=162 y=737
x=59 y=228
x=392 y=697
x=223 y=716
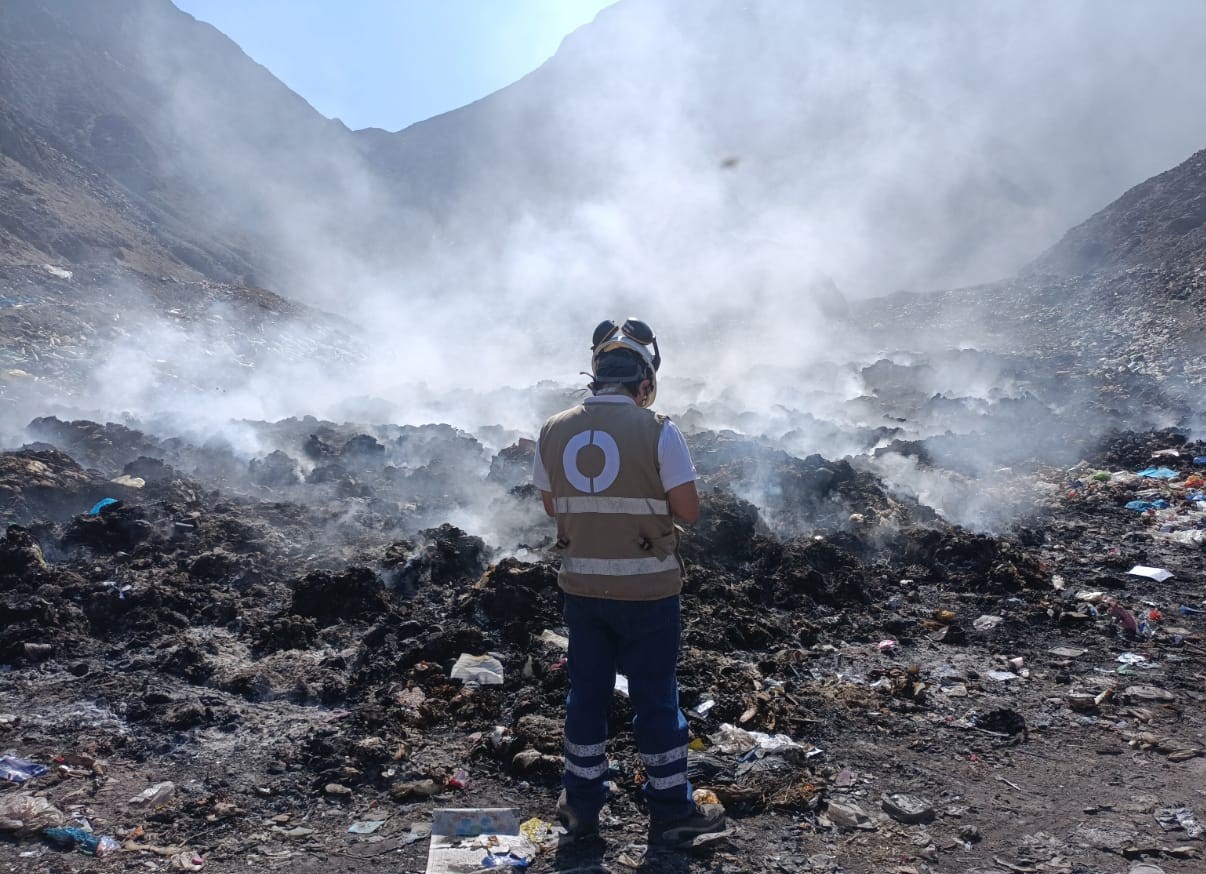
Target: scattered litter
x=83 y=840
x=133 y=482
x=16 y=770
x=1124 y=616
x=298 y=831
x=1174 y=818
x=730 y=740
x=478 y=670
x=505 y=860
x=153 y=796
x=700 y=710
x=466 y=839
x=622 y=685
x=1068 y=652
x=186 y=861
x=1145 y=506
x=909 y=809
x=1147 y=693
x=101 y=504
x=849 y=815
x=1157 y=473
x=365 y=826
x=1146 y=868
x=1131 y=658
x=418 y=831
x=552 y=638
x=27 y=814
x=536 y=830
x=1003 y=676
x=1152 y=573
x=987 y=622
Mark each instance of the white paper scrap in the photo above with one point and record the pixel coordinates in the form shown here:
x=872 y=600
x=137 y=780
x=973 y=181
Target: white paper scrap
x=1152 y=573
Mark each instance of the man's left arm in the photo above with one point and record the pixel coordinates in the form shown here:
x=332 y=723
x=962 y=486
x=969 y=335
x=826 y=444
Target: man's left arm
x=540 y=479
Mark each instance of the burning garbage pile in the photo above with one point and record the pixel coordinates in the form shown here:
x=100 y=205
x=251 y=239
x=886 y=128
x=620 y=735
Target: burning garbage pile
x=290 y=656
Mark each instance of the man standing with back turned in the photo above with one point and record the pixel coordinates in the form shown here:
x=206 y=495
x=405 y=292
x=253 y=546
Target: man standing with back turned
x=615 y=475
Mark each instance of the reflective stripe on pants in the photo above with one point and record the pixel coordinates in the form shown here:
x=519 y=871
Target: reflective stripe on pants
x=640 y=640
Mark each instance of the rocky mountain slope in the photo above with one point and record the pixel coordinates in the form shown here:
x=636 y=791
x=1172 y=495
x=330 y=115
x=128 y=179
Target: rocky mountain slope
x=1160 y=223
x=1121 y=296
x=863 y=144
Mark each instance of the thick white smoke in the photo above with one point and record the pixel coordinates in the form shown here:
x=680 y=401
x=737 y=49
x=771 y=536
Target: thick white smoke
x=733 y=173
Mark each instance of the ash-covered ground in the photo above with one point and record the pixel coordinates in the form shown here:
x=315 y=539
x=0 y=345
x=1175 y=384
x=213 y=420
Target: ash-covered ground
x=268 y=614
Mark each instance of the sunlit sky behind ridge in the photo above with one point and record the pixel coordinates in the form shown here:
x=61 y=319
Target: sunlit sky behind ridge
x=390 y=63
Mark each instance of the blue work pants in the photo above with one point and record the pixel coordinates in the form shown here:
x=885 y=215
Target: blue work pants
x=639 y=639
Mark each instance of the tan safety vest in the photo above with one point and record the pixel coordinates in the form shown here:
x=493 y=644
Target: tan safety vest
x=614 y=529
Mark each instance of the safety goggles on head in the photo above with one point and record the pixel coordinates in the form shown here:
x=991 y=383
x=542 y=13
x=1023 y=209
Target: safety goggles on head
x=634 y=329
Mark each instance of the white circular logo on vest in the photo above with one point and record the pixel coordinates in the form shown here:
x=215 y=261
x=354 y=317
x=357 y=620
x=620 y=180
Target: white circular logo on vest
x=611 y=461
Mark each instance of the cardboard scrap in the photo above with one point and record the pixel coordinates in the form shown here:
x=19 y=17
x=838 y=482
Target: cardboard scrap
x=467 y=839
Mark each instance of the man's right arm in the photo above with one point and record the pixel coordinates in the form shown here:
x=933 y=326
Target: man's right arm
x=678 y=474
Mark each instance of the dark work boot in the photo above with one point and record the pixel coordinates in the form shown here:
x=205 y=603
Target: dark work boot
x=676 y=833
x=576 y=826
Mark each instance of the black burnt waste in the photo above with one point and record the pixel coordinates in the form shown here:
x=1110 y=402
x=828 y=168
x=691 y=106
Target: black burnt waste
x=279 y=646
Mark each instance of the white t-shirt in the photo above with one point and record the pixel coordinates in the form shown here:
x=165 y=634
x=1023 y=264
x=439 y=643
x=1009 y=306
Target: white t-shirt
x=673 y=458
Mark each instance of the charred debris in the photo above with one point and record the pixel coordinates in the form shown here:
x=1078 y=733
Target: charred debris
x=276 y=635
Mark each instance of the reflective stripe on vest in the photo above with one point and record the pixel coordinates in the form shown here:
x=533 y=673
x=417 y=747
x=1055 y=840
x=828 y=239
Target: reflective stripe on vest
x=595 y=504
x=619 y=567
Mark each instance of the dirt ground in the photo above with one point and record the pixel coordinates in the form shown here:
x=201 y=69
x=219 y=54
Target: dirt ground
x=276 y=640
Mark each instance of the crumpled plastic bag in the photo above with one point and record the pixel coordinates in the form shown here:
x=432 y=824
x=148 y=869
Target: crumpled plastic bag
x=153 y=796
x=27 y=814
x=731 y=740
x=16 y=770
x=482 y=670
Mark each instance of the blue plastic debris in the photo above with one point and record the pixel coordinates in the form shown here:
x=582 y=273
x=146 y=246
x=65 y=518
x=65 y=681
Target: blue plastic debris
x=101 y=504
x=510 y=860
x=1158 y=473
x=16 y=770
x=85 y=841
x=1199 y=459
x=1144 y=506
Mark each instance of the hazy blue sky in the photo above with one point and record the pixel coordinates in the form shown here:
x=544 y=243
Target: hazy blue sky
x=390 y=63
